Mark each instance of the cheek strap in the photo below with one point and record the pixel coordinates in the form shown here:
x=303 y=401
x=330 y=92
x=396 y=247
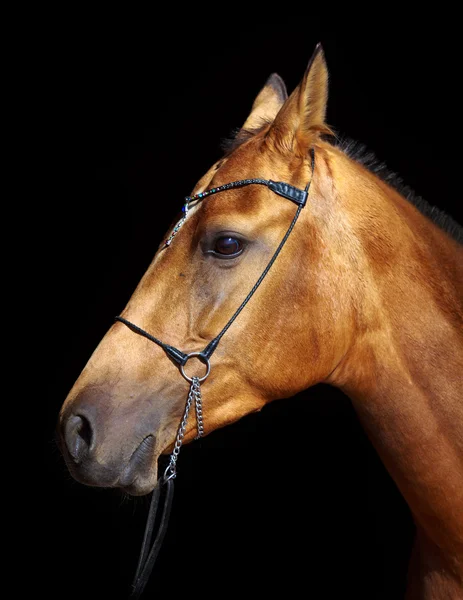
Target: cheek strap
x=283 y=189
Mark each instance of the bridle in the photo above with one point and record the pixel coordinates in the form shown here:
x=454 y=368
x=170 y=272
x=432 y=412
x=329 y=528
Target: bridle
x=149 y=554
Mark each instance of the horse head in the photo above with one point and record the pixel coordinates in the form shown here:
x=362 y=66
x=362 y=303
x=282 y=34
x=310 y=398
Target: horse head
x=124 y=410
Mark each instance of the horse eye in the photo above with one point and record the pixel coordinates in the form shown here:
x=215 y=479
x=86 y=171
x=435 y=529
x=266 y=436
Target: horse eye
x=228 y=246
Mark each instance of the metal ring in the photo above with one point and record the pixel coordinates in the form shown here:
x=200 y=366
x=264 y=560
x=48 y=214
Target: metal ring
x=203 y=359
x=173 y=474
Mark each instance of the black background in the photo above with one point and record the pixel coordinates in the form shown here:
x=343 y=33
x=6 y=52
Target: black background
x=292 y=501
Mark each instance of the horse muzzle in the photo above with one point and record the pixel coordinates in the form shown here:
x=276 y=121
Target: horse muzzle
x=106 y=447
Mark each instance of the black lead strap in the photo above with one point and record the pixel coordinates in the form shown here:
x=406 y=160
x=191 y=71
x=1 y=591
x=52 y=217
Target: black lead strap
x=148 y=555
x=150 y=548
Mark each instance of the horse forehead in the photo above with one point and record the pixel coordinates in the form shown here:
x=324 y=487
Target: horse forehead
x=253 y=159
x=243 y=164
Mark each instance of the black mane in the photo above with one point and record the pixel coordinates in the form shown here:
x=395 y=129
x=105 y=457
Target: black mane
x=366 y=158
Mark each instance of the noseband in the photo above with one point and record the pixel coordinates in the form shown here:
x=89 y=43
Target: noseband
x=148 y=555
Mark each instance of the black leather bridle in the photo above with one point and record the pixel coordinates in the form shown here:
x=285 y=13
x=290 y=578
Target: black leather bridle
x=149 y=554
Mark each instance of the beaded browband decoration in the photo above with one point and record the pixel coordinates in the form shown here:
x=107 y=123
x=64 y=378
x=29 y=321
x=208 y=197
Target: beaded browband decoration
x=290 y=192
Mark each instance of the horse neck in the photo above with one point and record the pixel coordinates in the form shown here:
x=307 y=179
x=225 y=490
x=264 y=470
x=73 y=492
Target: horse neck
x=403 y=367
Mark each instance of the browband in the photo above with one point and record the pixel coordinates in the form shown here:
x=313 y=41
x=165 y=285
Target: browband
x=286 y=190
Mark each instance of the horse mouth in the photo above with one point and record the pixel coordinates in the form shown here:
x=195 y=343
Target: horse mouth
x=140 y=475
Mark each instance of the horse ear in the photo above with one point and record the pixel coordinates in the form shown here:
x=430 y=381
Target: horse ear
x=267 y=103
x=303 y=114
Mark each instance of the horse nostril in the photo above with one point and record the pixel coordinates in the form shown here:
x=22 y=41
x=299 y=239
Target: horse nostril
x=78 y=436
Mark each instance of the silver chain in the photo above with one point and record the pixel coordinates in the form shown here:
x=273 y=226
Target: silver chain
x=193 y=395
x=195 y=389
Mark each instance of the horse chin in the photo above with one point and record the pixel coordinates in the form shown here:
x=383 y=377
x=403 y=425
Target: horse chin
x=137 y=489
x=140 y=486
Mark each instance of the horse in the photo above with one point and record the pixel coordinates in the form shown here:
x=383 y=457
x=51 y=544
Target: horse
x=290 y=232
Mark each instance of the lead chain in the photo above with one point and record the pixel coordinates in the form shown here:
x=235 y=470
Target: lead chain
x=193 y=395
x=195 y=388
